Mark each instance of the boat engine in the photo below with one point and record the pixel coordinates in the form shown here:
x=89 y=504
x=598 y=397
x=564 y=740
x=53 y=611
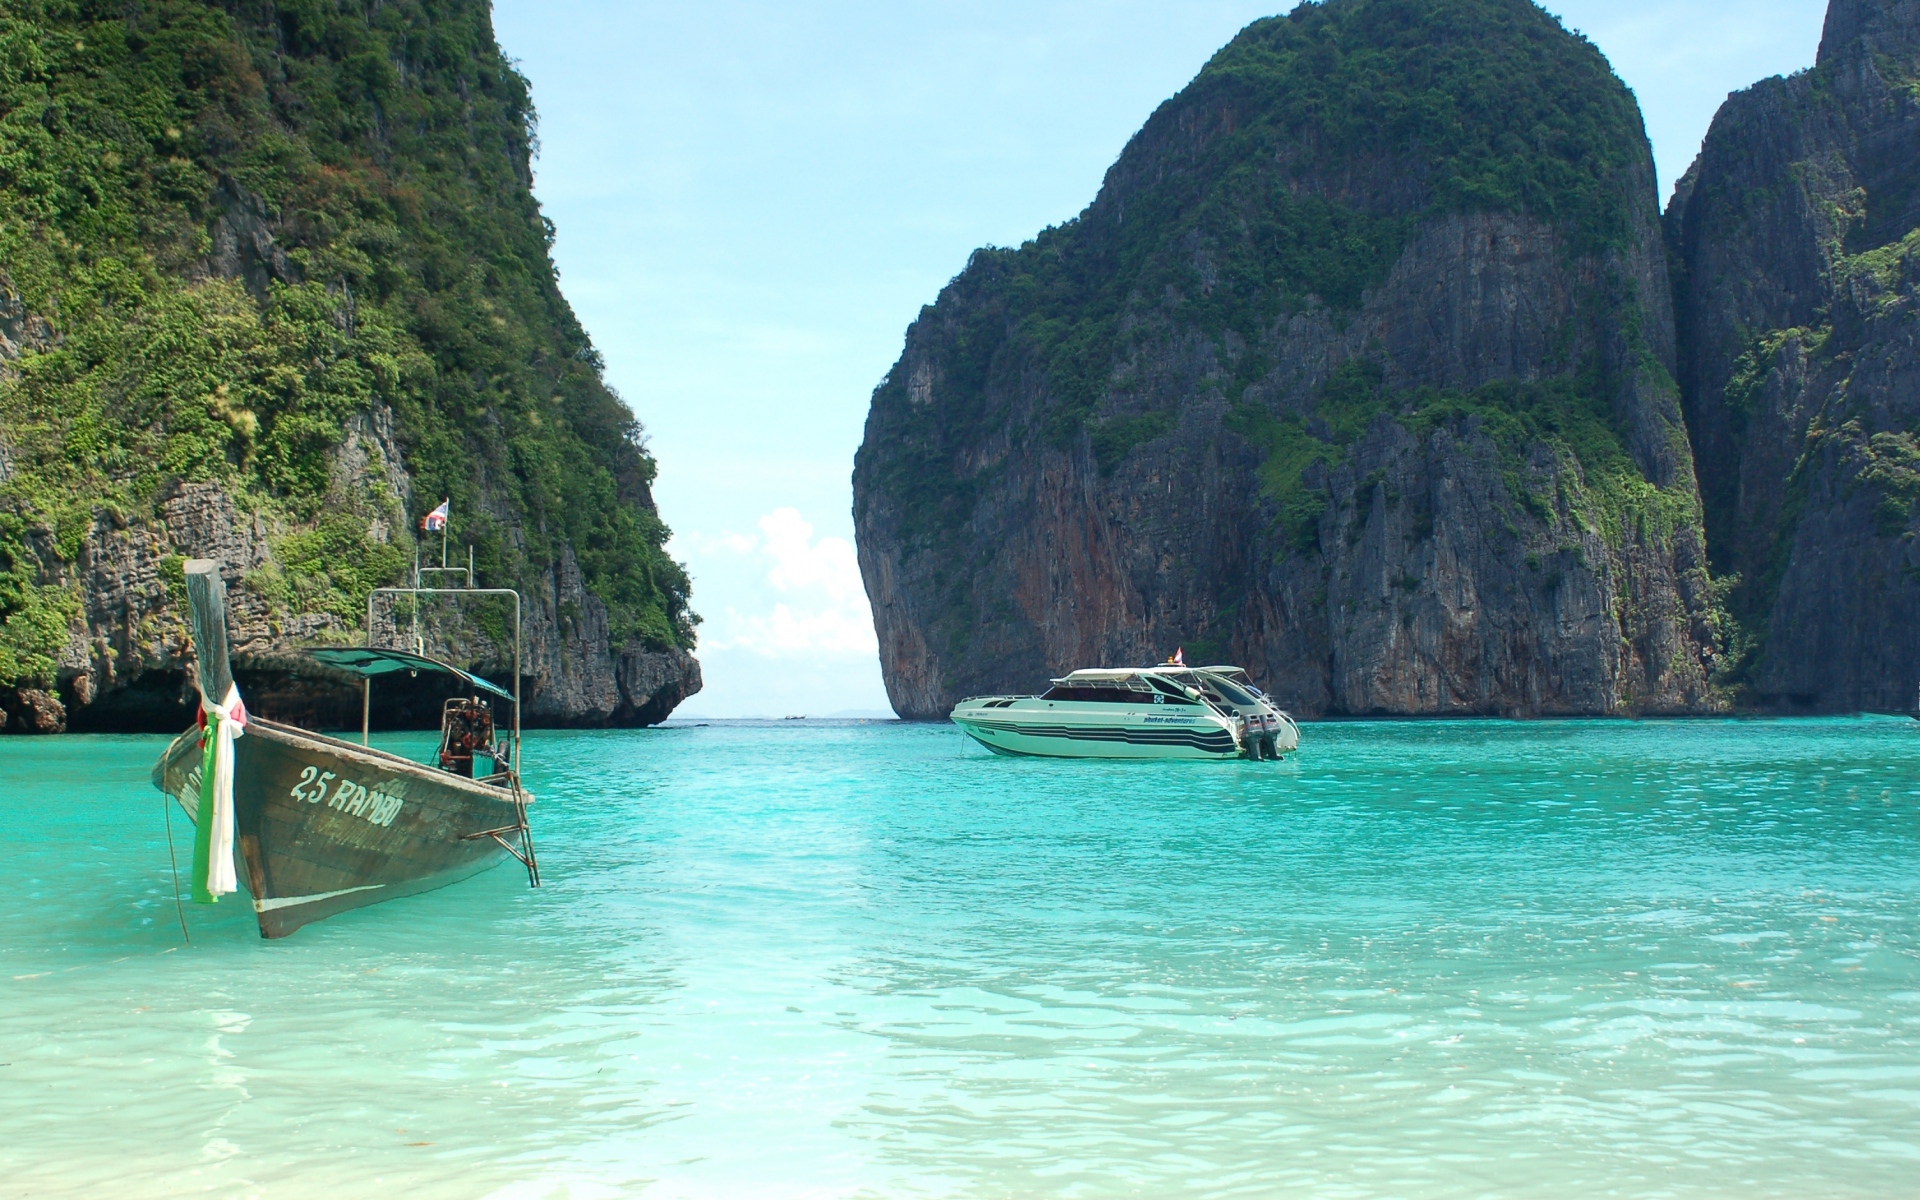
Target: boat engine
x=466 y=733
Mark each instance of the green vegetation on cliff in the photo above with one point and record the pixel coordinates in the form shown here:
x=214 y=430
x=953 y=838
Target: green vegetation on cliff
x=1599 y=485
x=1288 y=177
x=227 y=232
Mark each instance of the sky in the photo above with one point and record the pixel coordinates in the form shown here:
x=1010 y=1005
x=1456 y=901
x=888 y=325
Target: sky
x=754 y=199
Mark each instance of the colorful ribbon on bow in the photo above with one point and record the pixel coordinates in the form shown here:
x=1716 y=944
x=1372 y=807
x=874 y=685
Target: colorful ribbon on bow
x=213 y=840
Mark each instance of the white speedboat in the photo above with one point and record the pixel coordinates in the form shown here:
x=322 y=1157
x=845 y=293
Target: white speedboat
x=1172 y=711
x=1269 y=732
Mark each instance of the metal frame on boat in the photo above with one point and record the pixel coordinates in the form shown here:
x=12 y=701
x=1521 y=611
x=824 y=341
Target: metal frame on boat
x=323 y=825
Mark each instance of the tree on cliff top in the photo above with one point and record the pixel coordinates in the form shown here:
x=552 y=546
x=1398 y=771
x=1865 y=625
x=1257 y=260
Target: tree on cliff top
x=1316 y=142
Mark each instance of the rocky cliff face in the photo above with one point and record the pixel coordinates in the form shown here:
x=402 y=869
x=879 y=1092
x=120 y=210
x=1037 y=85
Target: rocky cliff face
x=272 y=282
x=1357 y=372
x=127 y=664
x=1794 y=240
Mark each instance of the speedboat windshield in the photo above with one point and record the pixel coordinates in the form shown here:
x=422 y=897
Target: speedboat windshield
x=1169 y=688
x=1232 y=692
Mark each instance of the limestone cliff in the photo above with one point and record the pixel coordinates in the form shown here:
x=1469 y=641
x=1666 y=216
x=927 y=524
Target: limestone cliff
x=1794 y=240
x=1357 y=372
x=272 y=283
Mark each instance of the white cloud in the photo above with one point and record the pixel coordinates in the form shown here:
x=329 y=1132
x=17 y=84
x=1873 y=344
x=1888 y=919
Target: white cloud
x=726 y=543
x=802 y=564
x=786 y=632
x=810 y=599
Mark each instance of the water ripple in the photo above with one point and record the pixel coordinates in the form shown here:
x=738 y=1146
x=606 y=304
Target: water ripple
x=1434 y=960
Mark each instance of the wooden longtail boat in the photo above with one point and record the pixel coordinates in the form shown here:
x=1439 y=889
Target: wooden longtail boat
x=323 y=825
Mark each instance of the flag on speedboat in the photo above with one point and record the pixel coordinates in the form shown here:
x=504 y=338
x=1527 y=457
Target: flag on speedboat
x=436 y=520
x=1179 y=657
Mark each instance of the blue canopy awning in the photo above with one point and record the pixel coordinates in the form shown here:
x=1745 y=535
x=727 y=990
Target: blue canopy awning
x=367 y=661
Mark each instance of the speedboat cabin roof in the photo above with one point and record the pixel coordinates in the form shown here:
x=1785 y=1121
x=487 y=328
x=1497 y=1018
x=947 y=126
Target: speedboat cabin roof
x=1101 y=677
x=1109 y=676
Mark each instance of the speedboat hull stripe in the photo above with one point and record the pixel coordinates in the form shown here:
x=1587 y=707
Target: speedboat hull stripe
x=1218 y=742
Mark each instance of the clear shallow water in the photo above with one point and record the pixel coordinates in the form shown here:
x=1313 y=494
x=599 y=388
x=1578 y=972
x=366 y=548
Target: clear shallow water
x=1423 y=960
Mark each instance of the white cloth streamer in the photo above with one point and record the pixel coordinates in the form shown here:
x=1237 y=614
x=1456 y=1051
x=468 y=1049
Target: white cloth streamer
x=229 y=721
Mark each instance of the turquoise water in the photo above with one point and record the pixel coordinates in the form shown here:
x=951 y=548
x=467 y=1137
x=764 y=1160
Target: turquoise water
x=816 y=960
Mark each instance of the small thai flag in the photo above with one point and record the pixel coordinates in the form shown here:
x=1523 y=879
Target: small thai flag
x=1180 y=657
x=436 y=520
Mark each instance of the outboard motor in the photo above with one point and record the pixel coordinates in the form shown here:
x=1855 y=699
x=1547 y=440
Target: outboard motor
x=466 y=732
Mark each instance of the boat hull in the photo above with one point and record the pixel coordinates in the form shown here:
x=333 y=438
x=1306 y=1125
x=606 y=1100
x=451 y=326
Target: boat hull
x=1040 y=729
x=324 y=826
